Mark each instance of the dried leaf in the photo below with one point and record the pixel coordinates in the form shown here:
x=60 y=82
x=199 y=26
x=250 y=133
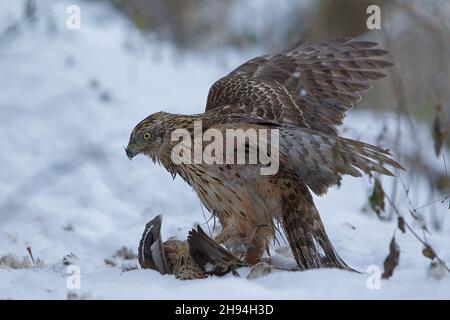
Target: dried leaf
x=439 y=131
x=429 y=252
x=391 y=260
x=443 y=181
x=377 y=198
x=401 y=224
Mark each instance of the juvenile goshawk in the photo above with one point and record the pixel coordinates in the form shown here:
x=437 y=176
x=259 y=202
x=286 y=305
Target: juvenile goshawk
x=304 y=92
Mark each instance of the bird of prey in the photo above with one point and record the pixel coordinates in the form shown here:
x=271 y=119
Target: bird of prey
x=303 y=92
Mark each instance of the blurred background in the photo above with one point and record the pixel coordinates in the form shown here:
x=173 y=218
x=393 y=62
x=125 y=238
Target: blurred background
x=69 y=99
x=416 y=32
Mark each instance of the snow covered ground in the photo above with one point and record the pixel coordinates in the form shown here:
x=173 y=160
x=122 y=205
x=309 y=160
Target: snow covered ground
x=68 y=102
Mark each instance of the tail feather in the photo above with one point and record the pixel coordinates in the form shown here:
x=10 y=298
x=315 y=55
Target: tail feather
x=304 y=229
x=320 y=160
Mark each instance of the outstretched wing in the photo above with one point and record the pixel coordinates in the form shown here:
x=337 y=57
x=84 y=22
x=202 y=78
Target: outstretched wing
x=311 y=86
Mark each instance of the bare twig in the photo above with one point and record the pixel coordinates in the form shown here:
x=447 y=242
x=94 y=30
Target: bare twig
x=427 y=246
x=432 y=202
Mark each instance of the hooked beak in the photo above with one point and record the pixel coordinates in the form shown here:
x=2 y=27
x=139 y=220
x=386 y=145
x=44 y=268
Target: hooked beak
x=131 y=152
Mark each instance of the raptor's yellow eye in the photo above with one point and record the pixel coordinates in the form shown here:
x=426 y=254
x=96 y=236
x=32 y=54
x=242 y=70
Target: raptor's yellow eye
x=147 y=136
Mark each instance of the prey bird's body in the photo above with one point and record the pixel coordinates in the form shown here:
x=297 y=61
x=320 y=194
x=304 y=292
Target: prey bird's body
x=302 y=92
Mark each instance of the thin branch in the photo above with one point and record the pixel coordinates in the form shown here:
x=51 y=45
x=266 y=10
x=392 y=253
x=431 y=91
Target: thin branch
x=432 y=202
x=425 y=244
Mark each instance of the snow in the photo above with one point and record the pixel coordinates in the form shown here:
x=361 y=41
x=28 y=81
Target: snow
x=68 y=103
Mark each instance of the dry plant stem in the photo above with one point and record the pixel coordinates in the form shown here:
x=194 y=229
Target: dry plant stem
x=31 y=255
x=397 y=212
x=414 y=208
x=432 y=202
x=402 y=107
x=400 y=97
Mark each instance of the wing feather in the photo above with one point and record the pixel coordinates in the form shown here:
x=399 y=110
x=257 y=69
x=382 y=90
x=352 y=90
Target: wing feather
x=311 y=86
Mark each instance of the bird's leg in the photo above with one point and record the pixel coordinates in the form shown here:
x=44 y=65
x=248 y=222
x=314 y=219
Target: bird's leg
x=258 y=243
x=267 y=260
x=254 y=251
x=253 y=255
x=234 y=241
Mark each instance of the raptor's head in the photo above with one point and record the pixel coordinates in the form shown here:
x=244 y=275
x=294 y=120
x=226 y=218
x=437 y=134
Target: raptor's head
x=147 y=137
